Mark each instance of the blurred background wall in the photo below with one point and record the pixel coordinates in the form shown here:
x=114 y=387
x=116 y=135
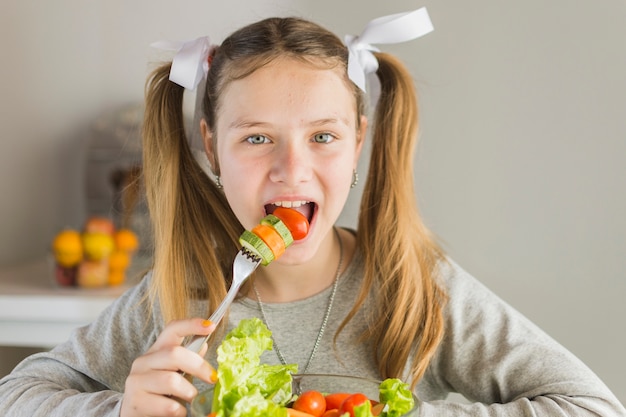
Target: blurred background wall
x=520 y=169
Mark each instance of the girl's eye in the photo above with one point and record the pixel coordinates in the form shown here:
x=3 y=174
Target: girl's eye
x=323 y=138
x=257 y=139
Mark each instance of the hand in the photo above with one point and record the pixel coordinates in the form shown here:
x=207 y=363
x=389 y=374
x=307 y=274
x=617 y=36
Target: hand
x=155 y=381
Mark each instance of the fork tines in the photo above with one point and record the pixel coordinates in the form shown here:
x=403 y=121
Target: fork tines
x=250 y=255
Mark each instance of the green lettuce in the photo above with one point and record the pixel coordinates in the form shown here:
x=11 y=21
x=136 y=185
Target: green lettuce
x=396 y=396
x=363 y=410
x=245 y=387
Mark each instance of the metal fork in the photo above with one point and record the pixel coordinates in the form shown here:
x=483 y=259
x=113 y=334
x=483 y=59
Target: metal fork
x=243 y=266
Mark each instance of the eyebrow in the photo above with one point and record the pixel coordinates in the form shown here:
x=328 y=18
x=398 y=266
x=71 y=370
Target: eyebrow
x=245 y=124
x=330 y=120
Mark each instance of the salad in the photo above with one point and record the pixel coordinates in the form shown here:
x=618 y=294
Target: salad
x=247 y=388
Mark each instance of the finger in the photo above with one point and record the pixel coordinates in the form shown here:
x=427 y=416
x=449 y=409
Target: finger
x=213 y=372
x=176 y=331
x=204 y=372
x=175 y=359
x=165 y=383
x=199 y=367
x=148 y=394
x=168 y=358
x=159 y=405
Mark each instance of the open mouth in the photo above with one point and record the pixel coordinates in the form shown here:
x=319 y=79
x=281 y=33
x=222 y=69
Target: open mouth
x=306 y=208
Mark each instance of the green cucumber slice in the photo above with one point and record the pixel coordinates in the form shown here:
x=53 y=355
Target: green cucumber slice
x=278 y=225
x=255 y=244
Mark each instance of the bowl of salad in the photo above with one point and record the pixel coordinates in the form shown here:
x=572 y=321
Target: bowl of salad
x=247 y=388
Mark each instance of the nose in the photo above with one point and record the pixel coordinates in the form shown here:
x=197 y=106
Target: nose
x=292 y=164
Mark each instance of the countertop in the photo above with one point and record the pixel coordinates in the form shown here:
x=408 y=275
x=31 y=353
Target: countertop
x=37 y=312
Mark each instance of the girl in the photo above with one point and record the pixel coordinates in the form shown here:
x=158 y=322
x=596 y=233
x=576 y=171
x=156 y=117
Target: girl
x=283 y=124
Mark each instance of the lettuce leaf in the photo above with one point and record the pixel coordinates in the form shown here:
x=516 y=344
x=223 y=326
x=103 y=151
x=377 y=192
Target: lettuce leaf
x=363 y=410
x=256 y=404
x=396 y=396
x=245 y=387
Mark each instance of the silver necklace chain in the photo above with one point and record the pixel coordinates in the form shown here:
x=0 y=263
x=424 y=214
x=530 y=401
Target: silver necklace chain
x=320 y=334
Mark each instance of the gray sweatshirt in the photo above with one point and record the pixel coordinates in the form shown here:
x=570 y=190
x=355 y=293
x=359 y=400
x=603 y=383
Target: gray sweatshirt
x=492 y=355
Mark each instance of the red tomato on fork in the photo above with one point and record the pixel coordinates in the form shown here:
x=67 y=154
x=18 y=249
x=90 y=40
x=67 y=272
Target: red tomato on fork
x=295 y=221
x=312 y=402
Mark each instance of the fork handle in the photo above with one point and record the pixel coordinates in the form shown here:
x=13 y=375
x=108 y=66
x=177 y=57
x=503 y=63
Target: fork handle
x=196 y=342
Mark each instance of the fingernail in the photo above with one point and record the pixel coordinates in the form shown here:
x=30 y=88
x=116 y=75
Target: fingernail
x=213 y=376
x=206 y=323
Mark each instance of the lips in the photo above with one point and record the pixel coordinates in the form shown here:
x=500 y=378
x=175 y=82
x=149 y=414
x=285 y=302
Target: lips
x=307 y=208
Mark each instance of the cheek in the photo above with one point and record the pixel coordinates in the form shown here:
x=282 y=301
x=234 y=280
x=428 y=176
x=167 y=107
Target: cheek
x=232 y=167
x=242 y=181
x=340 y=166
x=337 y=176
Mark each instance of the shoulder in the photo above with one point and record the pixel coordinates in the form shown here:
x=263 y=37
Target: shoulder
x=135 y=310
x=471 y=306
x=463 y=288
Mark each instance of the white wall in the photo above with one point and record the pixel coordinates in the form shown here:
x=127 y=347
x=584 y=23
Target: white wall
x=520 y=169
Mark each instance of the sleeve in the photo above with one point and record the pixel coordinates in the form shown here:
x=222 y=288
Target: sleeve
x=505 y=365
x=84 y=376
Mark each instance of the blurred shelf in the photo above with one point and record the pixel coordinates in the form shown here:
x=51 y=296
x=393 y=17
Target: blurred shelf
x=36 y=312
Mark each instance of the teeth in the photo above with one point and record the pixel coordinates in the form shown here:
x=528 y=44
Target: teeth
x=290 y=204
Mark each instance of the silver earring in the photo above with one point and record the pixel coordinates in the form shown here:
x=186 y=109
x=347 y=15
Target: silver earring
x=355 y=178
x=218 y=182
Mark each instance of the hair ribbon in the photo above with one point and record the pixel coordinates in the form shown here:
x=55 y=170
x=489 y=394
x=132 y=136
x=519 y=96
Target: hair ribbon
x=190 y=64
x=394 y=28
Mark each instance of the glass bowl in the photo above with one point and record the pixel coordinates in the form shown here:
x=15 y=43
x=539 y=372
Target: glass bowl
x=201 y=405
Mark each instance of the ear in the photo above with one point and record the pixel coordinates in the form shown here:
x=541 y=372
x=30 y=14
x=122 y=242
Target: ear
x=207 y=138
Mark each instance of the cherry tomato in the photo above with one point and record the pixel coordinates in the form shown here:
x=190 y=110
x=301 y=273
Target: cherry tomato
x=331 y=413
x=354 y=400
x=292 y=412
x=295 y=221
x=312 y=402
x=334 y=400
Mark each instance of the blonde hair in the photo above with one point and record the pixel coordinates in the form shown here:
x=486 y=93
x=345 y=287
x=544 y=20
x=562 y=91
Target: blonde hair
x=196 y=232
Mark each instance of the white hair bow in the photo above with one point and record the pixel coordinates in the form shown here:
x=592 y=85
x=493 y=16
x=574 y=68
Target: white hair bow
x=190 y=64
x=394 y=28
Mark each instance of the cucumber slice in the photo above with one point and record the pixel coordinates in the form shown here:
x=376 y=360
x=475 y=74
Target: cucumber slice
x=255 y=244
x=278 y=225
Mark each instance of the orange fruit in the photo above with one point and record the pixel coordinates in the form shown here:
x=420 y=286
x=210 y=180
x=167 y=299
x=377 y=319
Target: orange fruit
x=119 y=260
x=116 y=277
x=67 y=248
x=126 y=240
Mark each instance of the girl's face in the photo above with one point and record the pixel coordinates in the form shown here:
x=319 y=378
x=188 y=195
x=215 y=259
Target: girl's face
x=287 y=134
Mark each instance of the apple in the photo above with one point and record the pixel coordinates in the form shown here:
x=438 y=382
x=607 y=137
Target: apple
x=99 y=224
x=64 y=276
x=93 y=274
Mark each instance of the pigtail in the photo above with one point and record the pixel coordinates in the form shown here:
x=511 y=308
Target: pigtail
x=400 y=255
x=195 y=231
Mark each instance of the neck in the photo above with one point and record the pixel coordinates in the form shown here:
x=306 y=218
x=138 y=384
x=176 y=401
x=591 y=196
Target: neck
x=279 y=283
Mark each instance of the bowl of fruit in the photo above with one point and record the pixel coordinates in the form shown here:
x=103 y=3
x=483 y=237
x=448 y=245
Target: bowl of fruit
x=96 y=256
x=247 y=388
